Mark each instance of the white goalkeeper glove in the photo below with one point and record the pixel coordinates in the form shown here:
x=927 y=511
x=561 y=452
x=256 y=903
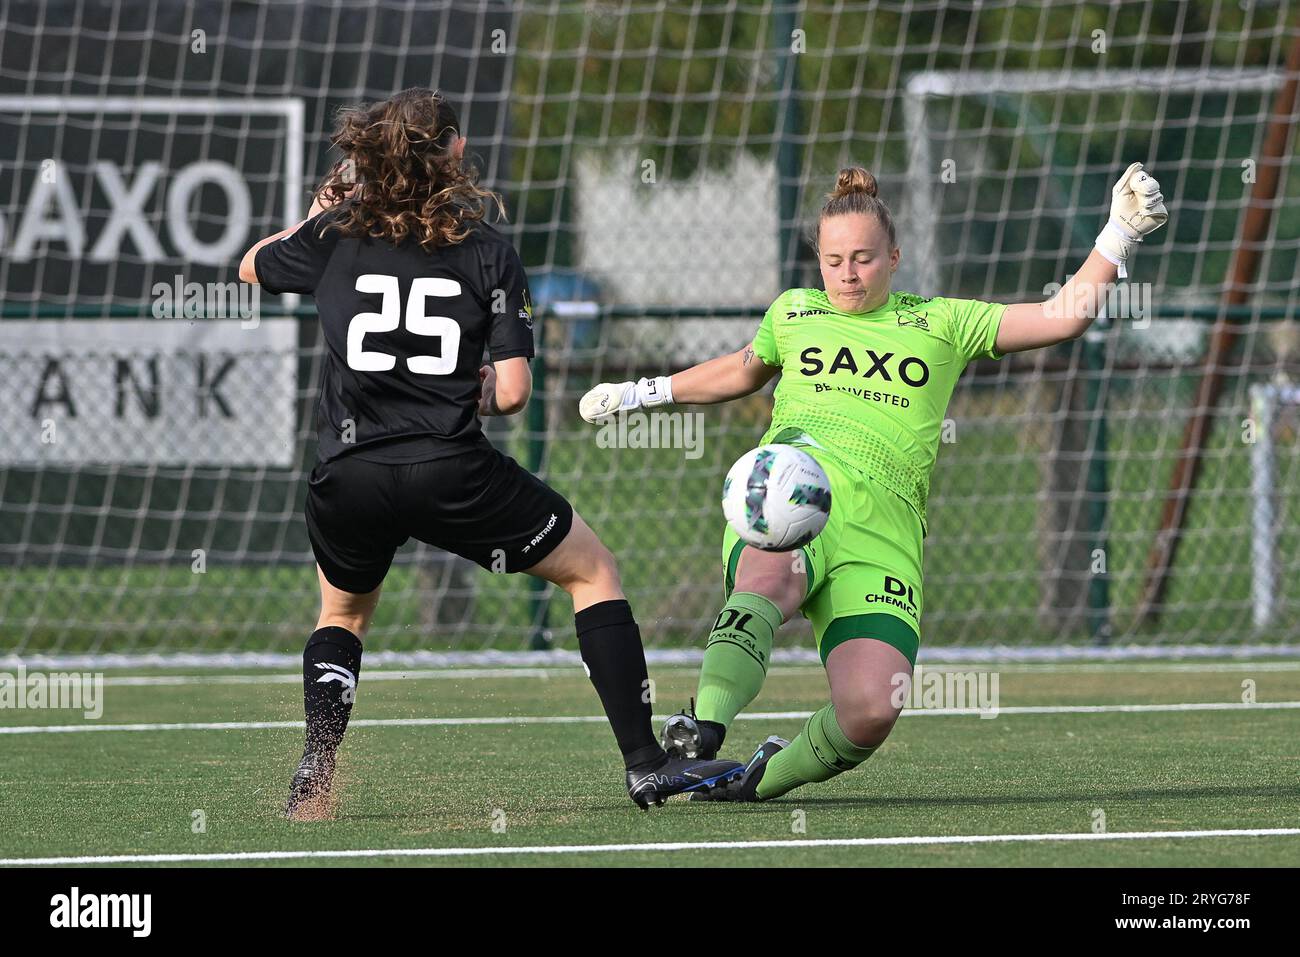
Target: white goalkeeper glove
x=611 y=397
x=1137 y=209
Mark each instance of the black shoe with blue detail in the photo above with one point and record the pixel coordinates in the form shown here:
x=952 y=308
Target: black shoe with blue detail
x=745 y=786
x=680 y=776
x=746 y=789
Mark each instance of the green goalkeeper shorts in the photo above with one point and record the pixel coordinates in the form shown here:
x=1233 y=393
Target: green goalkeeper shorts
x=863 y=570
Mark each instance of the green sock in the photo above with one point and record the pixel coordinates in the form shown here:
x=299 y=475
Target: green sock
x=819 y=753
x=735 y=659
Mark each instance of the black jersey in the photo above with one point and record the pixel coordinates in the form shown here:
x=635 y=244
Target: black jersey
x=405 y=332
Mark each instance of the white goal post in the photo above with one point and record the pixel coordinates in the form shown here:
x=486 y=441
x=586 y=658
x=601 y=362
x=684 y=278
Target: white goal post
x=1265 y=400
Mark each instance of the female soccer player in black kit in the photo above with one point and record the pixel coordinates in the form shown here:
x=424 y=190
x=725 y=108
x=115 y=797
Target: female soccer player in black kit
x=411 y=286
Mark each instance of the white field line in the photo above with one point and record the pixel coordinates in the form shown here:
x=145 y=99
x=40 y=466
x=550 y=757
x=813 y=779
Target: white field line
x=97 y=661
x=600 y=719
x=570 y=671
x=642 y=848
x=409 y=674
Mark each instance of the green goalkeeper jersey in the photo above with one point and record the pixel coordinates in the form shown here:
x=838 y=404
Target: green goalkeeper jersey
x=873 y=388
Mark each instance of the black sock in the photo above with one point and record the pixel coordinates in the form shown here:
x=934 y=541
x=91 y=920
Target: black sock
x=331 y=666
x=610 y=644
x=712 y=734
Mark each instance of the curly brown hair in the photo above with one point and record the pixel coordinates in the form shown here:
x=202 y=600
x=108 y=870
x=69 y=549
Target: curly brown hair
x=400 y=177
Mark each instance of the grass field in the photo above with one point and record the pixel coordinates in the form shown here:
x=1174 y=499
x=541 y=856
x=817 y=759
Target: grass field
x=436 y=785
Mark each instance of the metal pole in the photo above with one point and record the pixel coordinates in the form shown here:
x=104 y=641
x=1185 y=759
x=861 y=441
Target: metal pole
x=538 y=598
x=784 y=23
x=1263 y=525
x=1098 y=485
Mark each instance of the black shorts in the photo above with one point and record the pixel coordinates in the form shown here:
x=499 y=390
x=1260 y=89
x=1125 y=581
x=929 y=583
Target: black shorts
x=479 y=504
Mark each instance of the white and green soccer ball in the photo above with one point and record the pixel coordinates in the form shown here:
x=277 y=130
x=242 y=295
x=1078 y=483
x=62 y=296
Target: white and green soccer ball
x=776 y=497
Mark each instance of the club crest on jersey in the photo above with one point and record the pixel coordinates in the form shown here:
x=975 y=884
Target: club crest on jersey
x=526 y=313
x=909 y=313
x=908 y=318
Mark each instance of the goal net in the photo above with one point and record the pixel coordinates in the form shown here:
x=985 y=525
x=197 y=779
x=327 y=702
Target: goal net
x=660 y=162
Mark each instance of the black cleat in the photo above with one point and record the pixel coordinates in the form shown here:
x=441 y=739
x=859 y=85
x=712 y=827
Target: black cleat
x=680 y=776
x=309 y=792
x=745 y=787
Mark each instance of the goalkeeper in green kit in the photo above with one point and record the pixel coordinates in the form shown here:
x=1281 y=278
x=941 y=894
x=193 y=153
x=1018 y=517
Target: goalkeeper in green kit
x=866 y=375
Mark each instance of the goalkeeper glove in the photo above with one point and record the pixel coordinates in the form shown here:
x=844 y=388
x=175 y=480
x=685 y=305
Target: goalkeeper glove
x=1137 y=209
x=611 y=397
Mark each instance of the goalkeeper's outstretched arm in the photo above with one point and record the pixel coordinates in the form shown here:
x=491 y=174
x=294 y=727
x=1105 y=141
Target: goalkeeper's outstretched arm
x=1137 y=209
x=717 y=380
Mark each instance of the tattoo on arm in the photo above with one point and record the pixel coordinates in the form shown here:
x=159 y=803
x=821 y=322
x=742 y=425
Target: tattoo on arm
x=749 y=355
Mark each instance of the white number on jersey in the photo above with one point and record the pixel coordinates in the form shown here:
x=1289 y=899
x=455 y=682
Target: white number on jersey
x=417 y=322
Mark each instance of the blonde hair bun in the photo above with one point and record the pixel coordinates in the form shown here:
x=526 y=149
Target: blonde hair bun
x=853 y=179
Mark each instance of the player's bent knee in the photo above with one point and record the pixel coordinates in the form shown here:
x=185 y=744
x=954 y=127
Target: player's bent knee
x=865 y=720
x=601 y=567
x=583 y=562
x=783 y=590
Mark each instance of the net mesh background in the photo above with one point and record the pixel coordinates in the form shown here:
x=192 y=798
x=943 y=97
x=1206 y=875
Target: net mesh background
x=663 y=160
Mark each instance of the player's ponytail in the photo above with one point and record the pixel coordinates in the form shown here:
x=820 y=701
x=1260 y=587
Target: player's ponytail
x=400 y=175
x=856 y=192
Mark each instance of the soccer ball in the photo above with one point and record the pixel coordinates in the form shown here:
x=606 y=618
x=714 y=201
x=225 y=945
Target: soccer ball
x=777 y=498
